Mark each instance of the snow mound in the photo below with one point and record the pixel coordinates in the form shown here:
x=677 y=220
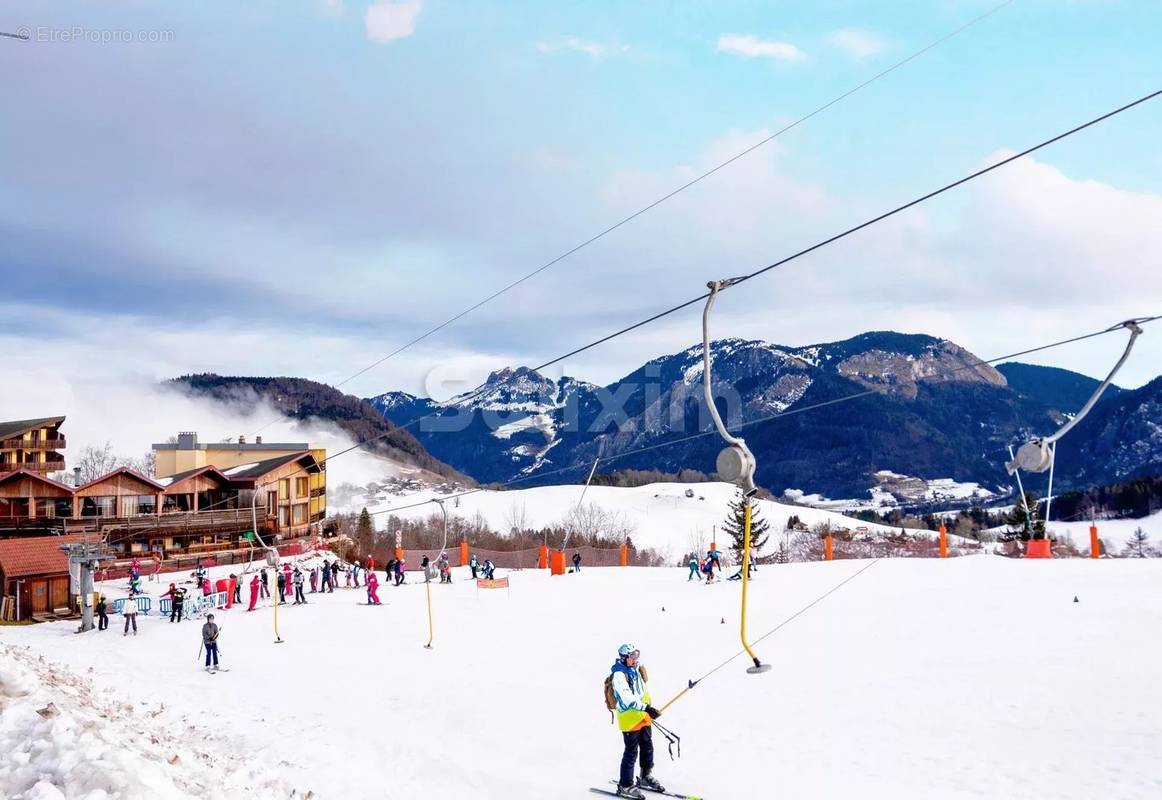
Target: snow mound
x=60 y=738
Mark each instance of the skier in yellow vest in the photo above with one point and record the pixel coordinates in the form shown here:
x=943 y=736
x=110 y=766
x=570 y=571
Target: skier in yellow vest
x=634 y=716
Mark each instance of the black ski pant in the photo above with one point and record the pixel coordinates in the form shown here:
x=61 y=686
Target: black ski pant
x=265 y=590
x=637 y=742
x=281 y=595
x=131 y=619
x=175 y=612
x=299 y=597
x=102 y=622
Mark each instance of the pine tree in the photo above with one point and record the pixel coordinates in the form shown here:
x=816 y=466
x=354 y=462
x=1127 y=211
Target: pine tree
x=1020 y=524
x=365 y=532
x=734 y=527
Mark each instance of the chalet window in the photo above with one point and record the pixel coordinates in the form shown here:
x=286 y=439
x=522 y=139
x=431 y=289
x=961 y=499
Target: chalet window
x=105 y=506
x=54 y=507
x=140 y=504
x=174 y=503
x=283 y=516
x=13 y=506
x=300 y=516
x=302 y=487
x=284 y=489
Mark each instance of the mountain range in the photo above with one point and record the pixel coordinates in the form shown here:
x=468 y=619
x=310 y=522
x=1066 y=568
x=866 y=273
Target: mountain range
x=922 y=407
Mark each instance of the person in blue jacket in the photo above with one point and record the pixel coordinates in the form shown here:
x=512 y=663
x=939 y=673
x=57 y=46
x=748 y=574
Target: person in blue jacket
x=635 y=715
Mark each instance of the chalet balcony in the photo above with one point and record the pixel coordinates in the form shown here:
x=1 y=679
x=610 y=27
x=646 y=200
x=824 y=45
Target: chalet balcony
x=57 y=443
x=40 y=469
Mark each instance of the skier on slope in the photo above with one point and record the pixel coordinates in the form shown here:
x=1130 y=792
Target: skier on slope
x=576 y=562
x=281 y=580
x=254 y=589
x=634 y=717
x=102 y=609
x=237 y=584
x=399 y=567
x=300 y=598
x=335 y=573
x=314 y=579
x=265 y=587
x=172 y=594
x=326 y=585
x=372 y=589
x=693 y=569
x=129 y=611
x=210 y=642
x=472 y=565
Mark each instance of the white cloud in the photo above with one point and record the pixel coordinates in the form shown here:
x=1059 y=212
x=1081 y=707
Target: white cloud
x=387 y=21
x=595 y=50
x=333 y=8
x=751 y=46
x=857 y=43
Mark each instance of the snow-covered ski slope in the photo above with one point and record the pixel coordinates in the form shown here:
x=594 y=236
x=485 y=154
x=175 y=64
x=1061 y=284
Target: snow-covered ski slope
x=976 y=677
x=661 y=515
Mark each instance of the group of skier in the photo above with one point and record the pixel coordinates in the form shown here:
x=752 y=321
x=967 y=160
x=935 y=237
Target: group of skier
x=706 y=567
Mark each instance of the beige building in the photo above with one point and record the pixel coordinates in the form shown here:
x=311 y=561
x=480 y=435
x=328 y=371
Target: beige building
x=291 y=477
x=187 y=453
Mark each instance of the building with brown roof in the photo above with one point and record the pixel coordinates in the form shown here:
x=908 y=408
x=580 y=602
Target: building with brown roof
x=34 y=574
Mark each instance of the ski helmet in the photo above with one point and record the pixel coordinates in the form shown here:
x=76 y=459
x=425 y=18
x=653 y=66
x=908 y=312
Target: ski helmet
x=626 y=650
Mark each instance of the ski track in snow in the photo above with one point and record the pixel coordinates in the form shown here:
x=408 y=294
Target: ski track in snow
x=975 y=677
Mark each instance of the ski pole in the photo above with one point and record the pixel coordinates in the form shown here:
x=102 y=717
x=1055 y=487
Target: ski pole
x=672 y=738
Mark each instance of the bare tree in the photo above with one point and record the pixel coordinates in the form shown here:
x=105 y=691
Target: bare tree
x=96 y=461
x=145 y=464
x=516 y=519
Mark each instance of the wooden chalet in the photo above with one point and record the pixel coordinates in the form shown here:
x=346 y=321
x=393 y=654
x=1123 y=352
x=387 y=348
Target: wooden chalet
x=33 y=445
x=34 y=576
x=121 y=493
x=32 y=503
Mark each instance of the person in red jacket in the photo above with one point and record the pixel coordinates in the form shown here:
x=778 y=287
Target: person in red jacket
x=253 y=592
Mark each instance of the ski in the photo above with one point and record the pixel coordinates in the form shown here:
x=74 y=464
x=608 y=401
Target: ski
x=665 y=793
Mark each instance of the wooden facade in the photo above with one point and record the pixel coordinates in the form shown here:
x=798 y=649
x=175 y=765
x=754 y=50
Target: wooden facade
x=33 y=445
x=34 y=572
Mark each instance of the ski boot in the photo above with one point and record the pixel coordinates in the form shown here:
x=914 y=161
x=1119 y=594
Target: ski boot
x=630 y=791
x=650 y=782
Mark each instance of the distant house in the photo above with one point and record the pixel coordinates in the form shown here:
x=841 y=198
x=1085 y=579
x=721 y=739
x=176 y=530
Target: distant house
x=33 y=445
x=34 y=571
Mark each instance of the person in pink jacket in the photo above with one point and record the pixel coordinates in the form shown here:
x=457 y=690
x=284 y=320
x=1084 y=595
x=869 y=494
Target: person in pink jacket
x=253 y=592
x=372 y=589
x=286 y=572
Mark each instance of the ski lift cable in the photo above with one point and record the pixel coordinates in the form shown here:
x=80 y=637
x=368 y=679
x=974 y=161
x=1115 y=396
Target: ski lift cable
x=673 y=193
x=790 y=412
x=805 y=251
x=818 y=245
x=862 y=225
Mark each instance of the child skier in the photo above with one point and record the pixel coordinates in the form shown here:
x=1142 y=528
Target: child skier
x=254 y=590
x=634 y=717
x=399 y=566
x=693 y=569
x=372 y=589
x=102 y=609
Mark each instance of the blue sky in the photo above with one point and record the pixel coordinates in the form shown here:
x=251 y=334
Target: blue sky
x=298 y=188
